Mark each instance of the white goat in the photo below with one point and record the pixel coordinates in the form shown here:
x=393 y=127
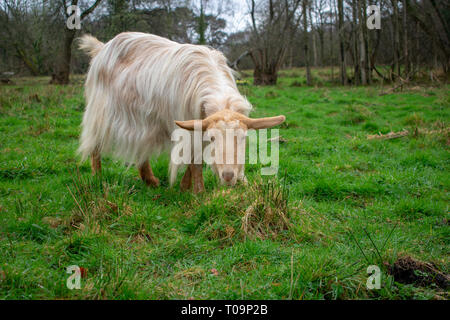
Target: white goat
x=139 y=85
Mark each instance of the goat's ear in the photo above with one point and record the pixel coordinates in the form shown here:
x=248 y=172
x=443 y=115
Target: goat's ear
x=192 y=124
x=264 y=123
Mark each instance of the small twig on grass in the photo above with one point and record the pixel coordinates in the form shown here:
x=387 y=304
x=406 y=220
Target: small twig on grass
x=360 y=249
x=387 y=136
x=293 y=284
x=389 y=236
x=292 y=275
x=373 y=243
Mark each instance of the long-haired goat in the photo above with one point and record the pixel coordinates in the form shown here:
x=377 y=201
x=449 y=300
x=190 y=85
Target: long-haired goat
x=140 y=86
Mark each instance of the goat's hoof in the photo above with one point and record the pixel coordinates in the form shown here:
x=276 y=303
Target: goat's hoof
x=152 y=182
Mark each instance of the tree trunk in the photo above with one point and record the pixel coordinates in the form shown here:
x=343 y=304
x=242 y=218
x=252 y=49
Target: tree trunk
x=417 y=47
x=201 y=26
x=374 y=51
x=331 y=45
x=367 y=44
x=265 y=76
x=306 y=40
x=362 y=46
x=341 y=42
x=62 y=70
x=314 y=48
x=322 y=47
x=405 y=39
x=396 y=65
x=357 y=70
x=313 y=36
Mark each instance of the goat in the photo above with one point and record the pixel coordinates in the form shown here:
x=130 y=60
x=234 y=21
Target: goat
x=140 y=87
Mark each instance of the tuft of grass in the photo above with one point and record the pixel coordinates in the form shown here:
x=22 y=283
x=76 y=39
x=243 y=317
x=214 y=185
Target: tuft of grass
x=269 y=212
x=94 y=203
x=355 y=114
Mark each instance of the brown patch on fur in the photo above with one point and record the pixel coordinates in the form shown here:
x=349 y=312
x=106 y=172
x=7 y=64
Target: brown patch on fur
x=103 y=76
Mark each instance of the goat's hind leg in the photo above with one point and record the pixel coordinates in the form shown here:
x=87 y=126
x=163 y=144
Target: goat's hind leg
x=197 y=176
x=146 y=173
x=96 y=163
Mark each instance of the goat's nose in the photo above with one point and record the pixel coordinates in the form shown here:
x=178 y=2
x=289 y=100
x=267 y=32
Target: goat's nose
x=228 y=175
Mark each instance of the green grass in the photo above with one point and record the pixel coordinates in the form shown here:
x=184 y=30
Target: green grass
x=345 y=192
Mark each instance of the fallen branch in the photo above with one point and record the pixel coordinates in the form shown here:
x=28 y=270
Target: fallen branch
x=392 y=89
x=400 y=84
x=387 y=136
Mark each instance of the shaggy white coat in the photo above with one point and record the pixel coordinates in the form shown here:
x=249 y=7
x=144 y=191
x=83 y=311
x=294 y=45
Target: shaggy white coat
x=138 y=84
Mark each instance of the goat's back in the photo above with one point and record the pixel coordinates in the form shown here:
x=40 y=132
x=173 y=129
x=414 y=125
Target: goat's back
x=137 y=86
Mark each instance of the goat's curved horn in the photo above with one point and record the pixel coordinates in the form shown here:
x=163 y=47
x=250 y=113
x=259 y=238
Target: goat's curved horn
x=193 y=124
x=264 y=123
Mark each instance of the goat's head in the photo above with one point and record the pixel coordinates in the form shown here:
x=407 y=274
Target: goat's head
x=227 y=130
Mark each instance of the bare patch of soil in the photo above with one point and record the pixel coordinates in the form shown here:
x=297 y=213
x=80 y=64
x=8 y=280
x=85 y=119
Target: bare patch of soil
x=411 y=271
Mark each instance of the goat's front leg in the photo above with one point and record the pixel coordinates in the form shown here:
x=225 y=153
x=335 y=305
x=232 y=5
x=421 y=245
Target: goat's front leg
x=197 y=175
x=146 y=173
x=186 y=182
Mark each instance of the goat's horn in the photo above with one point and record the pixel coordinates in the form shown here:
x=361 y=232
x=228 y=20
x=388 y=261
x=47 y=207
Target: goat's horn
x=264 y=123
x=193 y=124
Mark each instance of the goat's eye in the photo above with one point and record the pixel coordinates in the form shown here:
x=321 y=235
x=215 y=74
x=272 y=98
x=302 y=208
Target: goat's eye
x=213 y=138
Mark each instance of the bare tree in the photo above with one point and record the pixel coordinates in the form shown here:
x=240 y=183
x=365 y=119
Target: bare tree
x=427 y=14
x=415 y=34
x=274 y=24
x=23 y=44
x=62 y=67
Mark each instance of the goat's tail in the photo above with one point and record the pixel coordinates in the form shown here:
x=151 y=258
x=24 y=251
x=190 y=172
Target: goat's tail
x=90 y=45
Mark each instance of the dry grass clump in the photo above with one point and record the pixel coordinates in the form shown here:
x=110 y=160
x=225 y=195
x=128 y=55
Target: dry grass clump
x=94 y=202
x=354 y=114
x=268 y=214
x=258 y=210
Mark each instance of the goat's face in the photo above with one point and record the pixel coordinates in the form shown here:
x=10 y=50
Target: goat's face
x=228 y=149
x=227 y=131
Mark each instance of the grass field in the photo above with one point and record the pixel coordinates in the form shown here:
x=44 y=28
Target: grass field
x=349 y=202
